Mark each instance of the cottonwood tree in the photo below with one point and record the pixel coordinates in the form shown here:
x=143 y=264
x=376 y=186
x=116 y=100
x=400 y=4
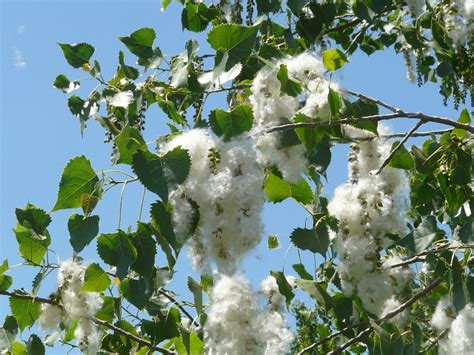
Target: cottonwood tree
x=211 y=175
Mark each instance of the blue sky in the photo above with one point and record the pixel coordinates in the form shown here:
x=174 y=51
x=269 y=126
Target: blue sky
x=39 y=135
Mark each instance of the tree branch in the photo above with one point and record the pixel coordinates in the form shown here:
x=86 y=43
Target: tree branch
x=180 y=306
x=104 y=323
x=411 y=115
x=367 y=331
x=394 y=151
x=389 y=315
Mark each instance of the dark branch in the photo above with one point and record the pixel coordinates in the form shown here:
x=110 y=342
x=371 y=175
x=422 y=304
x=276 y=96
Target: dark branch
x=180 y=306
x=351 y=121
x=106 y=324
x=394 y=151
x=388 y=316
x=367 y=331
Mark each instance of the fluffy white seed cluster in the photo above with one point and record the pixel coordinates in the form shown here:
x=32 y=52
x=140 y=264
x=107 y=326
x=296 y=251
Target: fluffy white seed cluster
x=270 y=106
x=460 y=338
x=226 y=183
x=459 y=20
x=237 y=325
x=226 y=178
x=76 y=305
x=370 y=207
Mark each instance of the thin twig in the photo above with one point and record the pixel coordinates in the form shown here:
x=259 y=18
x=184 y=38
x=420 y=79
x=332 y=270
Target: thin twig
x=104 y=323
x=180 y=306
x=394 y=151
x=364 y=28
x=344 y=26
x=376 y=118
x=369 y=329
x=389 y=315
x=374 y=100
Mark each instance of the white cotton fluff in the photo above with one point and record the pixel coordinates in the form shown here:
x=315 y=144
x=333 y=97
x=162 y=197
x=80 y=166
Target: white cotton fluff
x=121 y=99
x=459 y=20
x=401 y=276
x=50 y=317
x=460 y=338
x=368 y=207
x=401 y=318
x=236 y=325
x=228 y=194
x=417 y=7
x=269 y=288
x=270 y=106
x=443 y=315
x=79 y=305
x=88 y=336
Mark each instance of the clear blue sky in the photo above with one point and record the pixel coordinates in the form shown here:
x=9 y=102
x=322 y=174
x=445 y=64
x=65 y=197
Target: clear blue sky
x=39 y=135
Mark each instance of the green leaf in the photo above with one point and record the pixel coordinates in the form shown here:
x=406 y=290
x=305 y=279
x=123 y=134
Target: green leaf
x=63 y=83
x=4 y=266
x=135 y=291
x=296 y=5
x=196 y=17
x=107 y=311
x=88 y=203
x=422 y=237
x=161 y=218
x=192 y=346
x=168 y=108
x=335 y=103
x=146 y=251
x=288 y=85
x=463 y=118
x=82 y=231
x=233 y=123
x=196 y=290
x=117 y=249
x=18 y=348
x=301 y=271
x=164 y=327
x=35 y=346
x=5 y=282
x=78 y=178
x=272 y=242
x=34 y=219
x=361 y=108
x=176 y=165
x=276 y=190
x=334 y=59
x=129 y=72
x=25 y=311
x=128 y=142
x=8 y=333
x=237 y=40
x=140 y=42
x=77 y=54
x=95 y=279
x=456 y=278
x=314 y=240
x=402 y=158
x=32 y=248
x=159 y=174
x=315 y=290
x=461 y=173
x=283 y=286
x=309 y=28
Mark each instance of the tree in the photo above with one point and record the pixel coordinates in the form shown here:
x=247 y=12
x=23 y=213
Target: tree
x=211 y=176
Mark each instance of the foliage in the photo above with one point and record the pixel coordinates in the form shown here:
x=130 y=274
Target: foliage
x=210 y=177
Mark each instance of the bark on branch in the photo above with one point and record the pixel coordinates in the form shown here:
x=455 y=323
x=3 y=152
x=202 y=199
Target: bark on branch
x=101 y=322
